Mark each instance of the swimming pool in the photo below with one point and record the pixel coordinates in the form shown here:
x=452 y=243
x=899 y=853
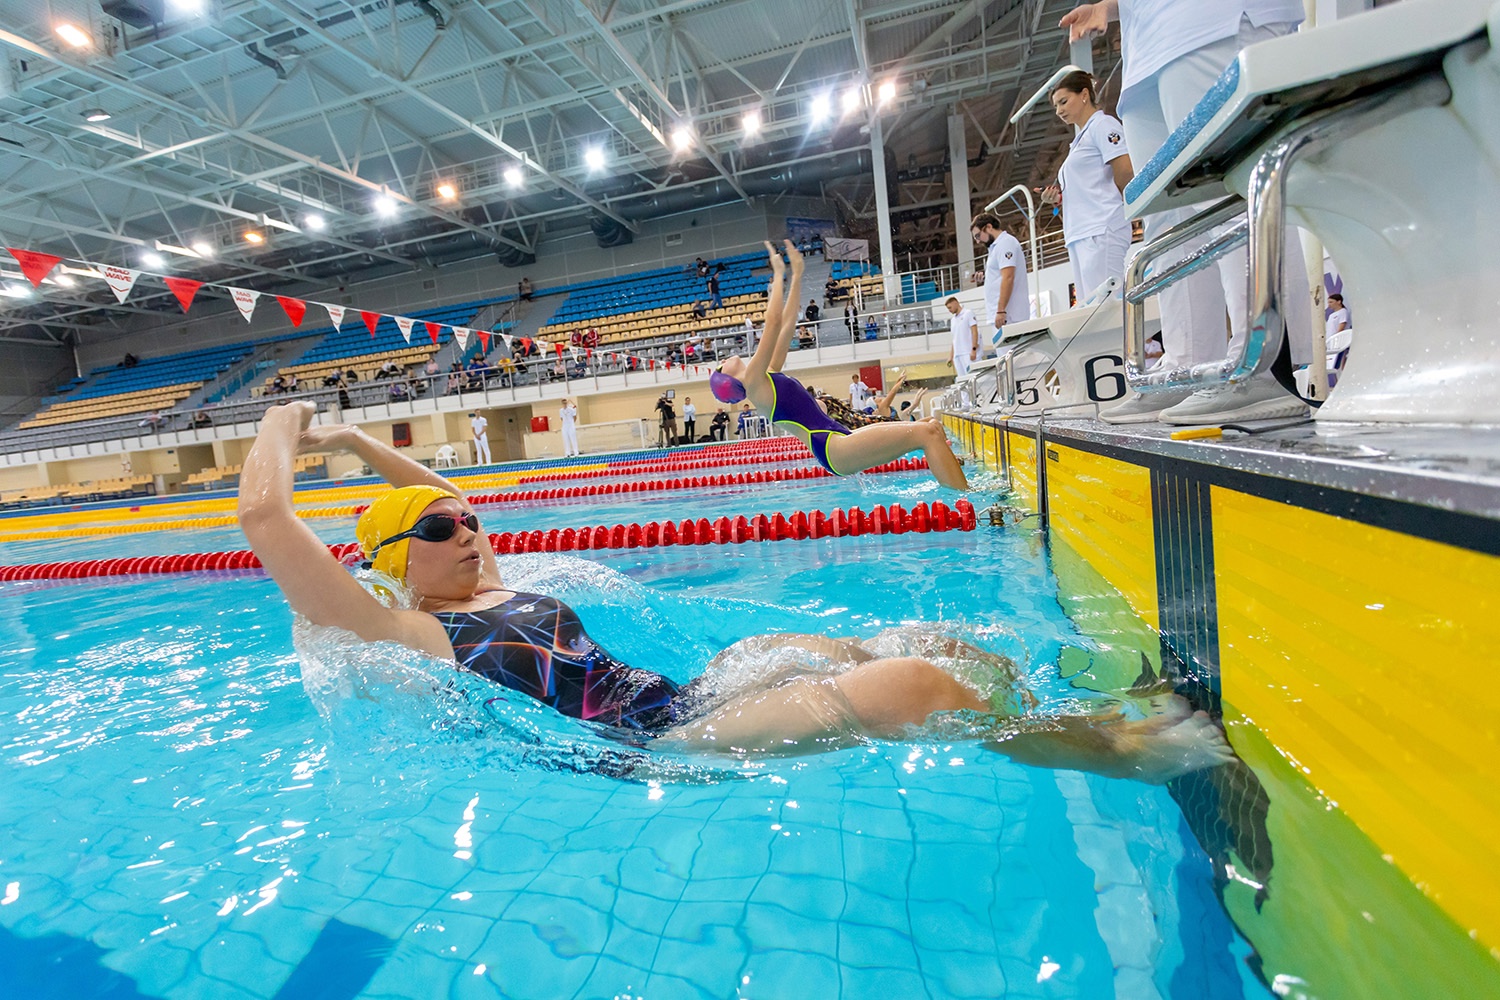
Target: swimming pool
x=185 y=823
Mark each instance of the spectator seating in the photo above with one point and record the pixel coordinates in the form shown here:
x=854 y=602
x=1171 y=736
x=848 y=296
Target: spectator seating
x=660 y=302
x=352 y=347
x=306 y=467
x=103 y=489
x=152 y=384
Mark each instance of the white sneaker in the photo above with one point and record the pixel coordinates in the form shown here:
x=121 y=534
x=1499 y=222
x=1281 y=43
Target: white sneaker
x=1143 y=407
x=1258 y=398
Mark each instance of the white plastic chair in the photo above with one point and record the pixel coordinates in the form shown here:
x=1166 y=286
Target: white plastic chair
x=446 y=458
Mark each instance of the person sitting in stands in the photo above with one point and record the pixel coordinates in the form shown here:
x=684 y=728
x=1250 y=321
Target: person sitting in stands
x=507 y=372
x=700 y=309
x=812 y=312
x=153 y=421
x=804 y=245
x=399 y=391
x=871 y=330
x=576 y=338
x=455 y=375
x=333 y=380
x=388 y=370
x=591 y=338
x=746 y=421
x=291 y=383
x=524 y=290
x=702 y=266
x=278 y=384
x=351 y=377
x=202 y=419
x=475 y=372
x=130 y=361
x=832 y=290
x=805 y=336
x=719 y=428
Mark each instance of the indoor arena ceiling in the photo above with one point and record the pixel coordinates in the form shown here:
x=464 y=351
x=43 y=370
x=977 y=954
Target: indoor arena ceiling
x=355 y=140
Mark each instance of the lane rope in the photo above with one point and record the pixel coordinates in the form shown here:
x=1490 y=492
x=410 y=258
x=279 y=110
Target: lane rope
x=893 y=520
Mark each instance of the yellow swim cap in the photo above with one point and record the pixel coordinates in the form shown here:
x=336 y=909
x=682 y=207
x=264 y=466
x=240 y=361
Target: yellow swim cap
x=390 y=515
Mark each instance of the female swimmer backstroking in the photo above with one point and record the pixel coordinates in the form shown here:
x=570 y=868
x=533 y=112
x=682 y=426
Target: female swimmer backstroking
x=837 y=448
x=424 y=534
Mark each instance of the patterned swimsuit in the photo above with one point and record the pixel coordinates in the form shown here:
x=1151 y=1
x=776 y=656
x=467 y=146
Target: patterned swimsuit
x=536 y=645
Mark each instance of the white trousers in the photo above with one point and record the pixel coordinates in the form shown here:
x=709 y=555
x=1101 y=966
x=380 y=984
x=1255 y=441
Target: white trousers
x=1193 y=310
x=1096 y=259
x=961 y=361
x=482 y=450
x=570 y=440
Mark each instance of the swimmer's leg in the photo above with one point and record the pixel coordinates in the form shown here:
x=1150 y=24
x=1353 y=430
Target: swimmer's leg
x=876 y=698
x=866 y=447
x=835 y=651
x=1155 y=750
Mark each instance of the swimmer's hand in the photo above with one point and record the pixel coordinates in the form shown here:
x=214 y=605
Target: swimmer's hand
x=795 y=256
x=778 y=265
x=330 y=437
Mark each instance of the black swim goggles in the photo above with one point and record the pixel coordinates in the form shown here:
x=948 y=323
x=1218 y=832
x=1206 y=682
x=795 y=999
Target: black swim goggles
x=433 y=528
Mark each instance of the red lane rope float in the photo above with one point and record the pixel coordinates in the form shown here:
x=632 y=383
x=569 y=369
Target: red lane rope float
x=684 y=464
x=693 y=482
x=892 y=520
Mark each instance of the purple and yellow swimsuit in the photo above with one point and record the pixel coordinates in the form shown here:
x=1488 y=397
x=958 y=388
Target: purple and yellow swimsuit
x=795 y=407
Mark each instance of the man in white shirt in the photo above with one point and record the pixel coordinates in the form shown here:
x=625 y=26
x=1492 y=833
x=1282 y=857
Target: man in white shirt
x=1007 y=298
x=965 y=329
x=1174 y=51
x=479 y=425
x=569 y=415
x=858 y=395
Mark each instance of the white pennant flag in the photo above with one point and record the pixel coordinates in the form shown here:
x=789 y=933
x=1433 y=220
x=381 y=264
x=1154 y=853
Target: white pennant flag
x=335 y=313
x=245 y=299
x=120 y=279
x=405 y=325
x=574 y=352
x=461 y=334
x=506 y=337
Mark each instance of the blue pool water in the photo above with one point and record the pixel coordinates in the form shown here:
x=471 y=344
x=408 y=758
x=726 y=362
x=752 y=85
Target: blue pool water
x=182 y=822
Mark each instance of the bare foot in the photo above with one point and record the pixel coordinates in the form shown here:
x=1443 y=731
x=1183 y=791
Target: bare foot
x=1173 y=747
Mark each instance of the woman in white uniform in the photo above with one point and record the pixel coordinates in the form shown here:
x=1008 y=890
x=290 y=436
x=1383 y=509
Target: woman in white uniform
x=1091 y=185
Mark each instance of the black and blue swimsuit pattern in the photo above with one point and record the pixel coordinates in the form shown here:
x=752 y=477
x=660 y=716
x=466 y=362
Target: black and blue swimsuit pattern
x=536 y=645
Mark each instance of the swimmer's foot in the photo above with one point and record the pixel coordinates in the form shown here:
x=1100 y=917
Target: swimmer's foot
x=1170 y=745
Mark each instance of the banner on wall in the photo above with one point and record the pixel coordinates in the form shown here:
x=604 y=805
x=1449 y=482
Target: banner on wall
x=840 y=248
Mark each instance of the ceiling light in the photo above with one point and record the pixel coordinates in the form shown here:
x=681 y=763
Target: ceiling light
x=315 y=222
x=203 y=249
x=151 y=259
x=514 y=177
x=682 y=138
x=251 y=236
x=887 y=92
x=594 y=157
x=96 y=115
x=385 y=205
x=67 y=281
x=852 y=98
x=17 y=291
x=73 y=35
x=751 y=122
x=173 y=248
x=273 y=223
x=446 y=191
x=821 y=108
x=189 y=7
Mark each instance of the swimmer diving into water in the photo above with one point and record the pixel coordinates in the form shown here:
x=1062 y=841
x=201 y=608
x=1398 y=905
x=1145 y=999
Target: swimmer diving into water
x=838 y=449
x=425 y=534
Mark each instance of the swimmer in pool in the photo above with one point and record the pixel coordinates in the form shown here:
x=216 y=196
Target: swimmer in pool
x=423 y=533
x=837 y=448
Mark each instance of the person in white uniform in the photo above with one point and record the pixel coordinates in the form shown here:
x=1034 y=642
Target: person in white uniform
x=859 y=395
x=479 y=426
x=965 y=329
x=1174 y=51
x=569 y=415
x=1007 y=297
x=1091 y=186
x=689 y=420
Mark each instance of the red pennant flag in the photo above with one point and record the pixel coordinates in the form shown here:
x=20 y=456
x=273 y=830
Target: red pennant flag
x=651 y=365
x=589 y=352
x=669 y=366
x=35 y=266
x=613 y=357
x=295 y=308
x=432 y=330
x=526 y=345
x=484 y=338
x=558 y=348
x=184 y=289
x=370 y=320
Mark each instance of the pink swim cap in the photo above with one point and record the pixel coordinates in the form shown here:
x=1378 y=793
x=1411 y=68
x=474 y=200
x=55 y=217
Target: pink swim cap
x=726 y=388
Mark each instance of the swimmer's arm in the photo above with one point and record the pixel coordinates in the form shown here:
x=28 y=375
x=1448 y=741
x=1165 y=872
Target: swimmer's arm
x=760 y=363
x=782 y=341
x=314 y=583
x=395 y=468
